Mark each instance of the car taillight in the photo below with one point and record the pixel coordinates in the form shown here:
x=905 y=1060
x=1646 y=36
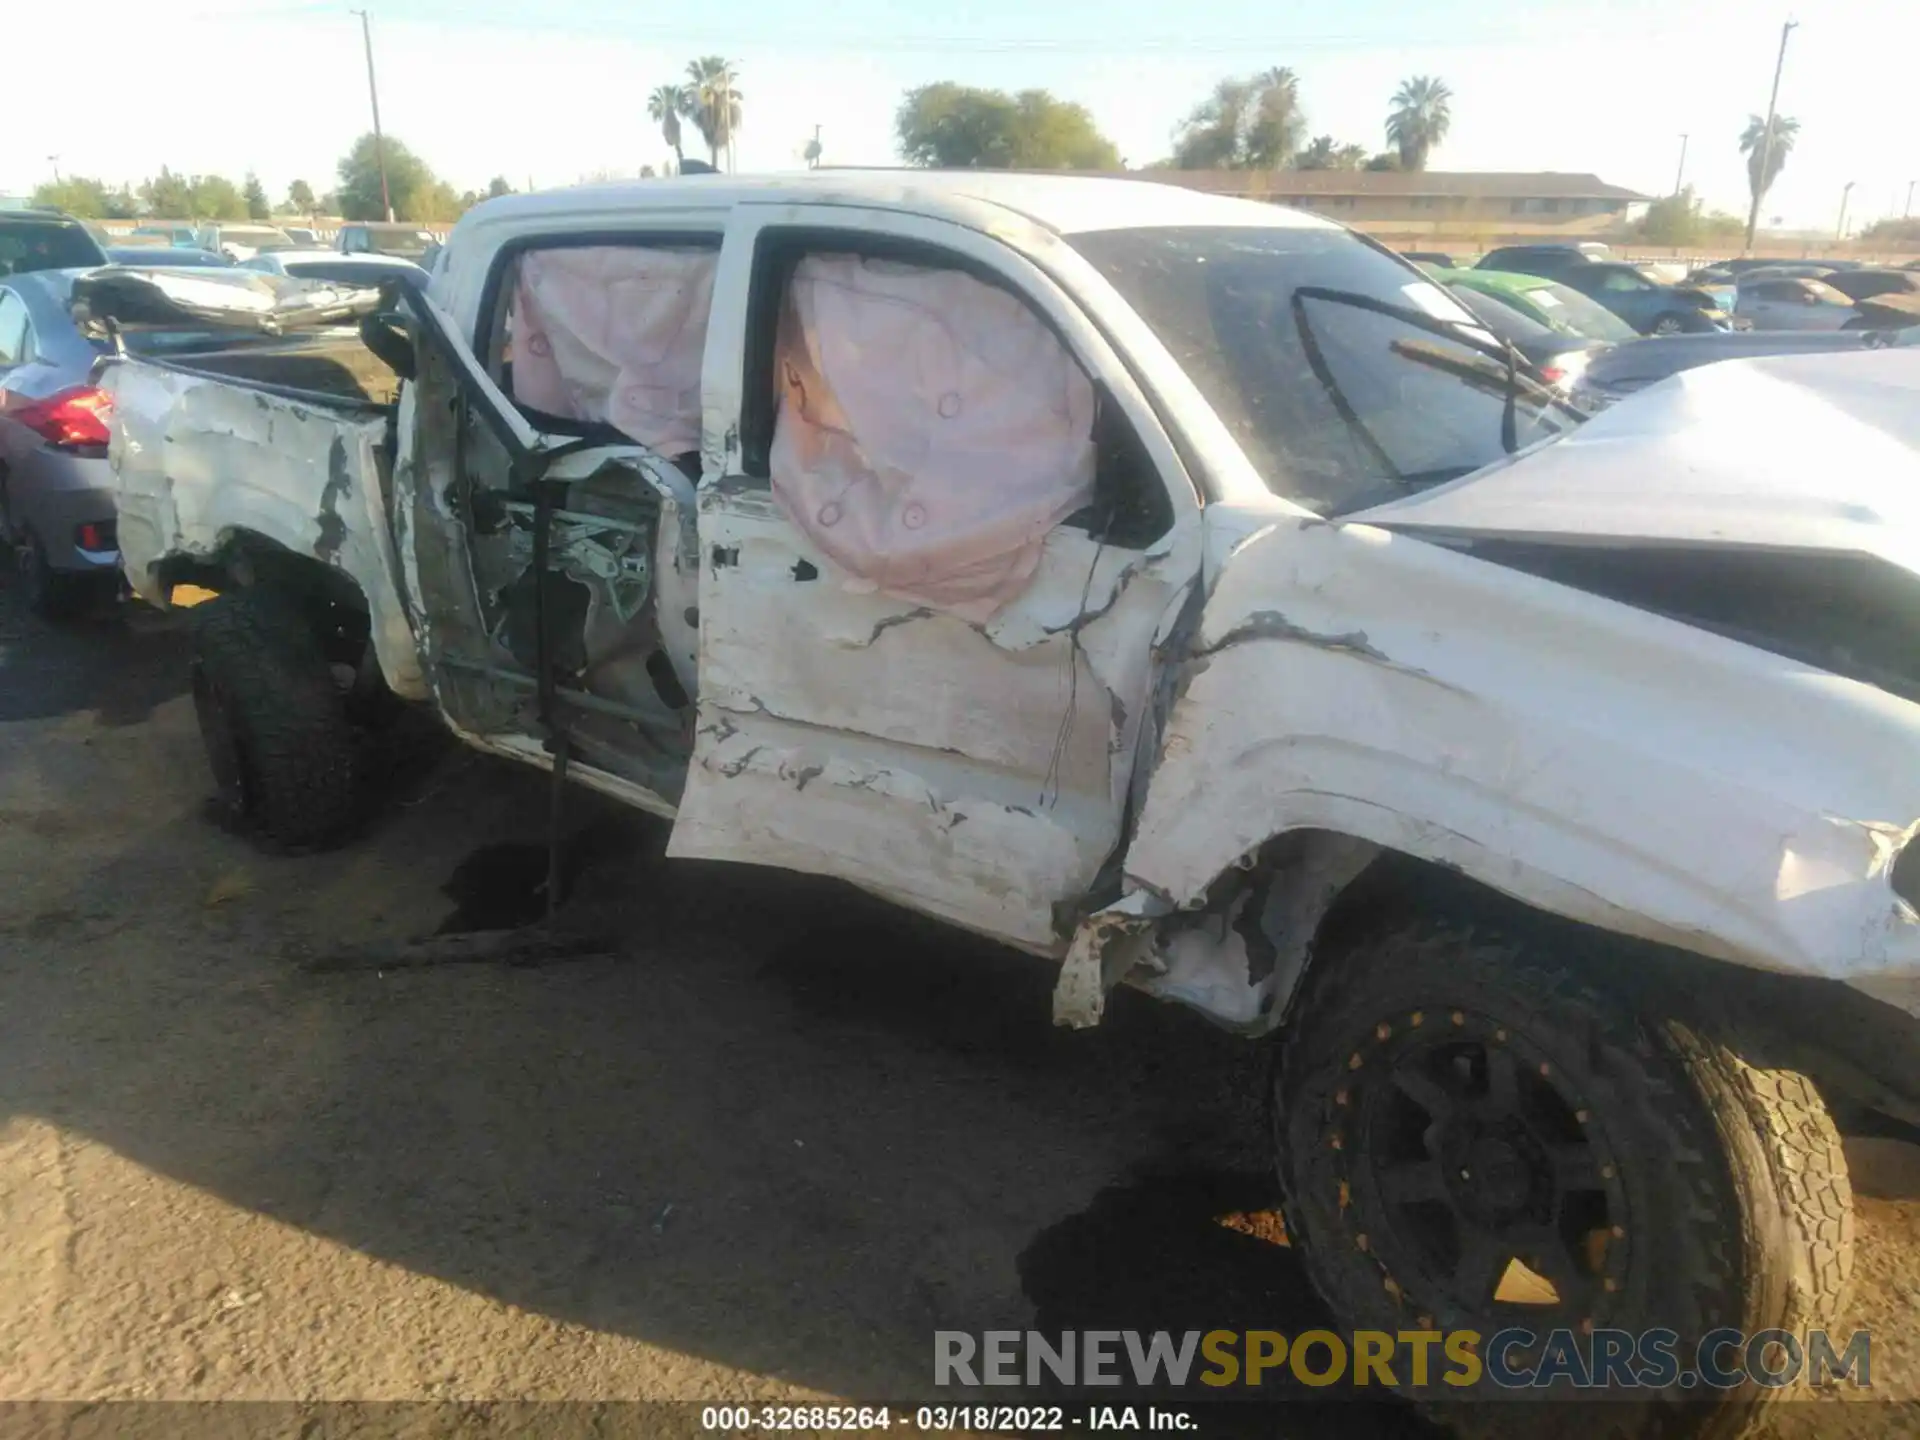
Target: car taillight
x=1552 y=374
x=72 y=419
x=96 y=535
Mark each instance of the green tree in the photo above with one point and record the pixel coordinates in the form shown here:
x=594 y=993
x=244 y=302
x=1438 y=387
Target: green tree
x=217 y=198
x=1385 y=160
x=258 y=206
x=667 y=106
x=87 y=199
x=1322 y=153
x=716 y=107
x=1248 y=123
x=1753 y=145
x=497 y=187
x=417 y=193
x=1672 y=221
x=963 y=127
x=300 y=197
x=1422 y=112
x=168 y=196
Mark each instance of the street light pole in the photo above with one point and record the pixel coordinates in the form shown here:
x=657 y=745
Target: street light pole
x=1840 y=230
x=1681 y=173
x=373 y=93
x=1766 y=139
x=1909 y=212
x=54 y=160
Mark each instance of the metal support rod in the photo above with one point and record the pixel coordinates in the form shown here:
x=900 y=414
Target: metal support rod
x=1766 y=138
x=1681 y=173
x=373 y=93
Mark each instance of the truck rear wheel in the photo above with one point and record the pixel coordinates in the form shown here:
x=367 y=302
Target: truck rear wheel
x=273 y=721
x=1474 y=1135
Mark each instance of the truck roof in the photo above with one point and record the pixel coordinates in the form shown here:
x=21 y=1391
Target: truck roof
x=1066 y=204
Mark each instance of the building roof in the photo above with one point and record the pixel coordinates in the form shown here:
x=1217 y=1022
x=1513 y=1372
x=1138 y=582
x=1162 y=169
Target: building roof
x=1474 y=184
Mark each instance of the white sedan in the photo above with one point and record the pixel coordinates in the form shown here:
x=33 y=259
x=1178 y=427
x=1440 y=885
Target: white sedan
x=1793 y=303
x=335 y=268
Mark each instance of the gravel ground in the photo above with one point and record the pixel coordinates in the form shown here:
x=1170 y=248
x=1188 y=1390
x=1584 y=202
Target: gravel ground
x=761 y=1153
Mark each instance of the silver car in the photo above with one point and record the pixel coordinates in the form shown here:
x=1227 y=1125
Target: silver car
x=56 y=492
x=1792 y=303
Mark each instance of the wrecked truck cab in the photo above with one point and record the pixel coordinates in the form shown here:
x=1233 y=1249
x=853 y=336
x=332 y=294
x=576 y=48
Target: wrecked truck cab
x=1188 y=591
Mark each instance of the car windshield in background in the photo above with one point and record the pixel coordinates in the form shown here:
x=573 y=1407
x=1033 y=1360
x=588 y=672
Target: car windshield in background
x=171 y=257
x=255 y=239
x=29 y=245
x=1572 y=313
x=1339 y=405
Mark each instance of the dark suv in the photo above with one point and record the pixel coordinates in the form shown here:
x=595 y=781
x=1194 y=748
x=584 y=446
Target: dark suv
x=1546 y=260
x=45 y=240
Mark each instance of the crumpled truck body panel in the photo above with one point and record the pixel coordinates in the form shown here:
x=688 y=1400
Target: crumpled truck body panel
x=1589 y=758
x=199 y=460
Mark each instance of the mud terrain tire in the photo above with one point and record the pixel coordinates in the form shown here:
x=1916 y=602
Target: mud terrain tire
x=1706 y=1192
x=273 y=722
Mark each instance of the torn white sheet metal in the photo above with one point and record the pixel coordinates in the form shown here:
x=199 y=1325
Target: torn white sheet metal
x=1789 y=452
x=899 y=717
x=1588 y=758
x=197 y=461
x=235 y=299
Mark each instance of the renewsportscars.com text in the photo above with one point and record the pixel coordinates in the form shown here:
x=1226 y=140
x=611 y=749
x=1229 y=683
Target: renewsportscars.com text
x=1511 y=1359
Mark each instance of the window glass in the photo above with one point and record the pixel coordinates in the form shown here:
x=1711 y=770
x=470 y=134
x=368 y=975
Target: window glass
x=13 y=329
x=1338 y=405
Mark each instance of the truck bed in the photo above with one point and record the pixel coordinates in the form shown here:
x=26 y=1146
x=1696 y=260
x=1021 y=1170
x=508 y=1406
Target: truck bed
x=337 y=366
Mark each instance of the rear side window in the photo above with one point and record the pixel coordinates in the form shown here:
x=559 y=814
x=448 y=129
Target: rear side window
x=15 y=342
x=608 y=338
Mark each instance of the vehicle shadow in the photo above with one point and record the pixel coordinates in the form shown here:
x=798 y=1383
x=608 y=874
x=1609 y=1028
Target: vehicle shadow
x=119 y=661
x=785 y=1127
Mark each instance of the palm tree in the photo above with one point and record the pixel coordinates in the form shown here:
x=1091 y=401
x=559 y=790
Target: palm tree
x=813 y=151
x=1278 y=120
x=665 y=106
x=1422 y=111
x=1753 y=144
x=715 y=104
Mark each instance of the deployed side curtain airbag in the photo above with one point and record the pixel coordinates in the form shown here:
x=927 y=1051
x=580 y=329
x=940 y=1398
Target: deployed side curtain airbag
x=931 y=430
x=616 y=334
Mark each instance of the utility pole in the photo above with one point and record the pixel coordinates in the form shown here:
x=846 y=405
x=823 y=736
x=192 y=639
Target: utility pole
x=1766 y=139
x=1909 y=212
x=54 y=160
x=1681 y=173
x=1840 y=230
x=373 y=93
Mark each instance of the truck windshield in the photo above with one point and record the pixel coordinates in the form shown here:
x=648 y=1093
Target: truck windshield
x=1290 y=335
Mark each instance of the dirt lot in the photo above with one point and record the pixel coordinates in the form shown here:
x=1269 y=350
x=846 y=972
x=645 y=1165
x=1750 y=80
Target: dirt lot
x=764 y=1152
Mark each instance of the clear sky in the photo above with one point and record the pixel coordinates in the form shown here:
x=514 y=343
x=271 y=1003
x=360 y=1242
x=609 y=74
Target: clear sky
x=554 y=90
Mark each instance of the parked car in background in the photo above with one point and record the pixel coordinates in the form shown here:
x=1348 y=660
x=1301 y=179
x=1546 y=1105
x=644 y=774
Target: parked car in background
x=1556 y=357
x=56 y=492
x=243 y=242
x=1865 y=284
x=1625 y=369
x=304 y=236
x=172 y=257
x=33 y=240
x=1548 y=303
x=1722 y=271
x=409 y=242
x=180 y=233
x=332 y=266
x=1543 y=259
x=1792 y=303
x=1898 y=310
x=1647 y=305
x=1429 y=257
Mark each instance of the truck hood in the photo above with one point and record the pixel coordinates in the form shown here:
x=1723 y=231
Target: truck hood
x=1798 y=453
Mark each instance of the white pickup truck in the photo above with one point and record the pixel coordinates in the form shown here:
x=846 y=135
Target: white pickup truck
x=1185 y=591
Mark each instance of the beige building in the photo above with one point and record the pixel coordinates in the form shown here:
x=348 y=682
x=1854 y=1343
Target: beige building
x=1488 y=207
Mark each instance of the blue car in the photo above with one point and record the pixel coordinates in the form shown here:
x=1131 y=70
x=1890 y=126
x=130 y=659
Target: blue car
x=1648 y=306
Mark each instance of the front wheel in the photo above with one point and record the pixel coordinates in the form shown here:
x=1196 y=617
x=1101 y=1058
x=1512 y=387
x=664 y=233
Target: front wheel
x=1668 y=325
x=1475 y=1136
